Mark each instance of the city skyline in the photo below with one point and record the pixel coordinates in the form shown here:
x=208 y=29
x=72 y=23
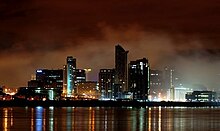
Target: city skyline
x=110 y=65
x=199 y=86
x=40 y=34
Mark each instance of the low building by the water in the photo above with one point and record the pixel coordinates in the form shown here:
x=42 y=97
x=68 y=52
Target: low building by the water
x=37 y=93
x=201 y=96
x=88 y=90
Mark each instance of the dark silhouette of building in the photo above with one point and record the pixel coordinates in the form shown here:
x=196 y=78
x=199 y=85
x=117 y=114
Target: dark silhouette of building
x=1 y=92
x=35 y=83
x=51 y=80
x=202 y=96
x=32 y=93
x=138 y=79
x=121 y=69
x=106 y=83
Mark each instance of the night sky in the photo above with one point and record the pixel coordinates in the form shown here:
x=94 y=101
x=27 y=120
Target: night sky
x=41 y=33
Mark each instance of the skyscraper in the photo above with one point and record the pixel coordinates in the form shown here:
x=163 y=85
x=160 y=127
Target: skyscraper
x=156 y=80
x=121 y=69
x=70 y=72
x=106 y=83
x=138 y=79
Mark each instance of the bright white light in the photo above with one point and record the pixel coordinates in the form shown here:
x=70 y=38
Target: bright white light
x=39 y=107
x=39 y=71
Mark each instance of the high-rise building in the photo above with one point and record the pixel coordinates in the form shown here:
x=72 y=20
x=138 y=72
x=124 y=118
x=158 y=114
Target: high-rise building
x=168 y=82
x=156 y=85
x=138 y=79
x=121 y=69
x=71 y=77
x=106 y=83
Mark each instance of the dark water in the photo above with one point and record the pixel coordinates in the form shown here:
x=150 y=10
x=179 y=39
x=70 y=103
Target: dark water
x=107 y=119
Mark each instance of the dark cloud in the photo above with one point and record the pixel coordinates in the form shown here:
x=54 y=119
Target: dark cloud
x=40 y=34
x=11 y=9
x=7 y=43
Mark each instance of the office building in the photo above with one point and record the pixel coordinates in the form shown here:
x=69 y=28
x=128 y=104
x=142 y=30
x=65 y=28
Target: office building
x=201 y=96
x=70 y=76
x=50 y=80
x=120 y=69
x=138 y=79
x=156 y=88
x=80 y=75
x=106 y=83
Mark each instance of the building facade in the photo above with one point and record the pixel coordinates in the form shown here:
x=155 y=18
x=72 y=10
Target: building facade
x=156 y=84
x=70 y=76
x=138 y=79
x=80 y=75
x=106 y=83
x=201 y=96
x=88 y=90
x=50 y=78
x=50 y=81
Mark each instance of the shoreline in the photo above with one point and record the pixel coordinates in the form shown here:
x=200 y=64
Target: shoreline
x=97 y=103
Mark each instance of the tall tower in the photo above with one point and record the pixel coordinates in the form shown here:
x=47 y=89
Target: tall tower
x=120 y=69
x=138 y=79
x=70 y=69
x=156 y=84
x=106 y=83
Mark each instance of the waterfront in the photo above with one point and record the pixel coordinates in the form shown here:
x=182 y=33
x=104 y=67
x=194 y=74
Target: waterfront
x=107 y=118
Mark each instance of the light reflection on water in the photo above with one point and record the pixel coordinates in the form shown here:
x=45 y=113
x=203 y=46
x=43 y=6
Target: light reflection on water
x=105 y=119
x=51 y=120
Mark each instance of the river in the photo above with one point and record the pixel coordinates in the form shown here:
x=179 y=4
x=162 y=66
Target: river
x=109 y=119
